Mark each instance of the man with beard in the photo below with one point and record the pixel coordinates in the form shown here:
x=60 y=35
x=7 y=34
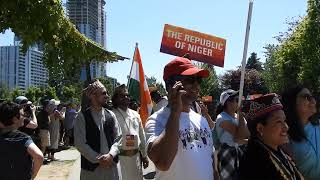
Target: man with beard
x=165 y=127
x=97 y=136
x=133 y=141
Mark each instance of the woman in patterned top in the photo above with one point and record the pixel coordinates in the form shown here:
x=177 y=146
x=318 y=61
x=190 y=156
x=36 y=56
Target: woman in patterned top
x=264 y=158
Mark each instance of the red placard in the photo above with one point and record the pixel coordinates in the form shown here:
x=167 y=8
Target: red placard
x=201 y=47
x=206 y=98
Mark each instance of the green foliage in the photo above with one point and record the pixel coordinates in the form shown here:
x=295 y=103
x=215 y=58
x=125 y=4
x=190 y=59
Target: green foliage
x=296 y=59
x=152 y=82
x=4 y=92
x=69 y=93
x=254 y=63
x=66 y=50
x=15 y=93
x=272 y=73
x=34 y=94
x=49 y=93
x=209 y=86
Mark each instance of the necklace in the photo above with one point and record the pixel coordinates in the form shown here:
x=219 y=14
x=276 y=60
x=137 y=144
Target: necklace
x=285 y=167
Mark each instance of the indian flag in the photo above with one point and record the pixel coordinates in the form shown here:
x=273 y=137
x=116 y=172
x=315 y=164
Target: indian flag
x=138 y=87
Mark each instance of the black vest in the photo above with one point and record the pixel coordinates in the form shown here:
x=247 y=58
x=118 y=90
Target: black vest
x=93 y=137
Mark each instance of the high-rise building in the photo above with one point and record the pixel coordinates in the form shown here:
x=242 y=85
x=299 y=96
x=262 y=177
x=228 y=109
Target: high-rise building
x=22 y=70
x=89 y=18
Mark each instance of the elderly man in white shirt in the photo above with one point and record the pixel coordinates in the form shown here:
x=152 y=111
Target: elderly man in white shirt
x=133 y=141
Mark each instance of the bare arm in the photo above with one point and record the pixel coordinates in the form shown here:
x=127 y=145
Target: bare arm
x=239 y=132
x=205 y=113
x=37 y=157
x=33 y=123
x=163 y=150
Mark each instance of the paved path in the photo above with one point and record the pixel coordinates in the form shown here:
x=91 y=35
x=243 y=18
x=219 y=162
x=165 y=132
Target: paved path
x=60 y=169
x=75 y=171
x=66 y=155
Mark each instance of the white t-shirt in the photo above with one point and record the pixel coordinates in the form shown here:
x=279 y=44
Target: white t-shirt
x=193 y=159
x=225 y=136
x=162 y=103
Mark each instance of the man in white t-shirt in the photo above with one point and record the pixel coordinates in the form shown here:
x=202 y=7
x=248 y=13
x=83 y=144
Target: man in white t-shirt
x=179 y=140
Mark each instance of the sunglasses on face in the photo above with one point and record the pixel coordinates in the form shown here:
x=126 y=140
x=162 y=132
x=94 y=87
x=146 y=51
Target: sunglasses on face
x=192 y=79
x=308 y=97
x=187 y=79
x=105 y=93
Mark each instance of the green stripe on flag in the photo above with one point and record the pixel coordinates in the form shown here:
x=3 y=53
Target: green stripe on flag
x=134 y=89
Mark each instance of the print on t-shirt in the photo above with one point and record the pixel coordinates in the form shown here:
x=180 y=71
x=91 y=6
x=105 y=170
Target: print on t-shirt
x=192 y=137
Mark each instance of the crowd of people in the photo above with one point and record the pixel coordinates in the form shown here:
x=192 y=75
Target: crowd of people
x=268 y=137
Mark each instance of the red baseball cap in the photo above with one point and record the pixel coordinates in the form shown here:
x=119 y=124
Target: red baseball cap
x=183 y=66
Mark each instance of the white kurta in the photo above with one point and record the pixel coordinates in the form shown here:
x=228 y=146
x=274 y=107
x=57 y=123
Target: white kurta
x=131 y=126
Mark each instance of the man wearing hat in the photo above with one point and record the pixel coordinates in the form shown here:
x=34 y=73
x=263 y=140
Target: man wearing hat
x=30 y=122
x=134 y=140
x=179 y=139
x=97 y=136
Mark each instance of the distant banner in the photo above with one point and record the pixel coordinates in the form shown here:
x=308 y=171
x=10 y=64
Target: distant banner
x=201 y=47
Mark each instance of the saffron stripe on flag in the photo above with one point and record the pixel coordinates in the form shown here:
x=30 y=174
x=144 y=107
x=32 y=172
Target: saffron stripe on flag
x=138 y=87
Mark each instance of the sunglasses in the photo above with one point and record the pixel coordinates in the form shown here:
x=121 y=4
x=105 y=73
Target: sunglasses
x=192 y=79
x=186 y=79
x=102 y=93
x=308 y=97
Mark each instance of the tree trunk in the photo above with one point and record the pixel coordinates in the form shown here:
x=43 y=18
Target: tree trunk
x=88 y=74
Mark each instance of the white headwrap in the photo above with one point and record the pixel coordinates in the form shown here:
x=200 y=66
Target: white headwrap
x=93 y=88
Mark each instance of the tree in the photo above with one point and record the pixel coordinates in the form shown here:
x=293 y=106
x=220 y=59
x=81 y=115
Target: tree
x=69 y=93
x=297 y=56
x=209 y=86
x=65 y=48
x=4 y=92
x=152 y=82
x=254 y=63
x=15 y=93
x=34 y=94
x=49 y=93
x=253 y=82
x=272 y=72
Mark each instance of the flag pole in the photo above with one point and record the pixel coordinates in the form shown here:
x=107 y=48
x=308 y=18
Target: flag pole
x=132 y=64
x=245 y=49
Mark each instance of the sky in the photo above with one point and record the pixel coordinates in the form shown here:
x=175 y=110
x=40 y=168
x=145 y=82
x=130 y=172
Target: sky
x=142 y=21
